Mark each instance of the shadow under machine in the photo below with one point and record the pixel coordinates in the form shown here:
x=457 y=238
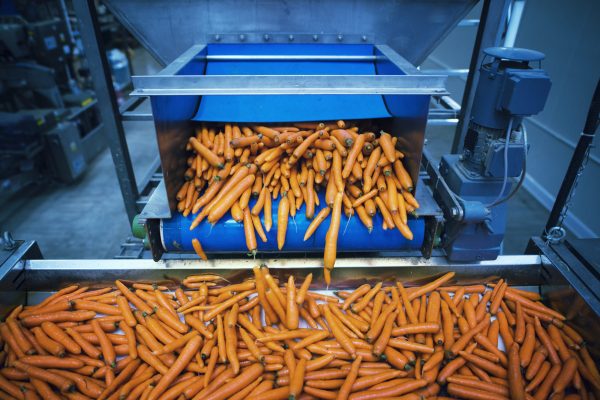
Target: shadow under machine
x=314 y=62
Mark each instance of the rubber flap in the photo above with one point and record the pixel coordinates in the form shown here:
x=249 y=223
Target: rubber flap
x=290 y=108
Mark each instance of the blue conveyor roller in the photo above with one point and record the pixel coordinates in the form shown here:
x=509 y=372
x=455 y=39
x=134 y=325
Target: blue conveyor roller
x=227 y=235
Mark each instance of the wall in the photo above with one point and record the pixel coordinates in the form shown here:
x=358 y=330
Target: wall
x=568 y=33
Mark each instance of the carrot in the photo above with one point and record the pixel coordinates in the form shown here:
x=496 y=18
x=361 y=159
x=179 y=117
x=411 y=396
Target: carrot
x=19 y=337
x=119 y=379
x=566 y=375
x=292 y=313
x=321 y=216
x=352 y=156
x=282 y=221
x=484 y=364
x=59 y=316
x=53 y=362
x=231 y=338
x=332 y=233
x=297 y=381
x=466 y=338
x=538 y=377
x=210 y=367
x=61 y=337
x=97 y=307
x=385 y=140
x=546 y=341
x=60 y=382
x=106 y=346
x=555 y=336
x=43 y=389
x=229 y=198
x=206 y=154
x=10 y=388
x=249 y=232
x=267 y=213
x=186 y=355
x=544 y=389
x=133 y=298
x=468 y=392
x=480 y=385
x=345 y=342
x=515 y=379
x=383 y=338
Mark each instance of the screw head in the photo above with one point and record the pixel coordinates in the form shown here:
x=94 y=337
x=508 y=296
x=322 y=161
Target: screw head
x=266 y=37
x=364 y=38
x=242 y=37
x=315 y=37
x=217 y=38
x=340 y=38
x=454 y=211
x=291 y=38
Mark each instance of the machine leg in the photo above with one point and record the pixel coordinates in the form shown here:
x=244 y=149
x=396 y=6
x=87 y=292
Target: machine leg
x=109 y=110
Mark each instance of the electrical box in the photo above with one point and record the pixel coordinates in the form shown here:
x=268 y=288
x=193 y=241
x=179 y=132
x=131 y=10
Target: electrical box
x=524 y=92
x=65 y=153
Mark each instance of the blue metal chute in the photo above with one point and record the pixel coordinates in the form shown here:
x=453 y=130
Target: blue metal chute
x=227 y=235
x=290 y=108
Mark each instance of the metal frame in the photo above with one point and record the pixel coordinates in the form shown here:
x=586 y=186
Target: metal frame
x=168 y=83
x=131 y=190
x=493 y=17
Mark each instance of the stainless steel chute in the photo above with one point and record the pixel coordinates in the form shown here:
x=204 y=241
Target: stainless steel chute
x=412 y=28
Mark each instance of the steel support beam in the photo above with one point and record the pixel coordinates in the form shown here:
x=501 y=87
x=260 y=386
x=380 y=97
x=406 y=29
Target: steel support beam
x=491 y=28
x=109 y=110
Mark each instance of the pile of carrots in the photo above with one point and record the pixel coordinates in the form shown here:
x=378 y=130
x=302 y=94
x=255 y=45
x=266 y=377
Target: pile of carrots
x=264 y=339
x=361 y=173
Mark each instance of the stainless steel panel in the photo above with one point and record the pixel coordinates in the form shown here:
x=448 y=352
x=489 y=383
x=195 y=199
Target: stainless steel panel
x=411 y=27
x=45 y=275
x=190 y=85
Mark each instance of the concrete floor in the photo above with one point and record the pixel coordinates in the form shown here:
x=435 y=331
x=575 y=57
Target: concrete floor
x=87 y=219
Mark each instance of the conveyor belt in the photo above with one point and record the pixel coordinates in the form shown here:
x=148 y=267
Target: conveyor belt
x=227 y=235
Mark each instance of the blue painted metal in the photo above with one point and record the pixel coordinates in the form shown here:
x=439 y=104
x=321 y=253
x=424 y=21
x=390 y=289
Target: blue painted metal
x=227 y=235
x=508 y=87
x=289 y=108
x=479 y=235
x=515 y=53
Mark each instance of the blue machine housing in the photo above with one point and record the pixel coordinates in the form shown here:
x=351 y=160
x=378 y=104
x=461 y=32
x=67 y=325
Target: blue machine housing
x=494 y=151
x=176 y=118
x=479 y=235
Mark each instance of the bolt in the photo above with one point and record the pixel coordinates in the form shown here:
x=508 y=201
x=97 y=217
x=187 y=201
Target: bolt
x=315 y=37
x=267 y=37
x=291 y=38
x=461 y=157
x=217 y=38
x=340 y=38
x=364 y=38
x=454 y=211
x=242 y=37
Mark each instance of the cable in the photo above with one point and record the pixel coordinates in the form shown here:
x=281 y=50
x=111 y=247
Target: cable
x=505 y=181
x=522 y=177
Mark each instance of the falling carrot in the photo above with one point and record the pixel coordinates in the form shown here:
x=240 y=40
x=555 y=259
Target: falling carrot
x=332 y=233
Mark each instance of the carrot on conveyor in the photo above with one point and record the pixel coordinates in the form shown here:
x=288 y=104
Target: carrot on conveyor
x=380 y=340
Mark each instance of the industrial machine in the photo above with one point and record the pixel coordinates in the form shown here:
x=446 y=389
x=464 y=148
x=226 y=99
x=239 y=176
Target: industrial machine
x=39 y=83
x=319 y=61
x=495 y=150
